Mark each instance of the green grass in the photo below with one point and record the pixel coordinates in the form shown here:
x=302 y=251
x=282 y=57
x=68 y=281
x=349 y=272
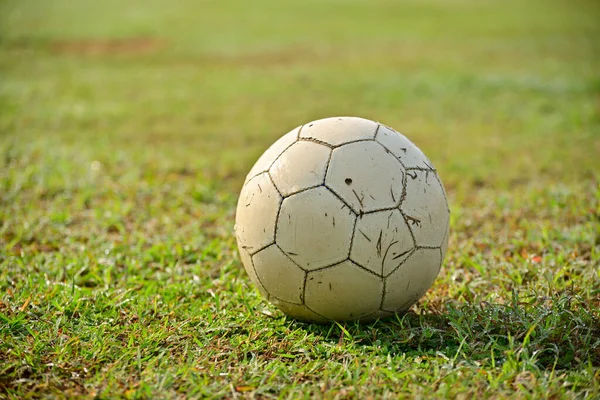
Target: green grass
x=126 y=130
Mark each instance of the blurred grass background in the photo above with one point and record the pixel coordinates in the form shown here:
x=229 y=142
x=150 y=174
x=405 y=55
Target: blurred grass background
x=126 y=130
x=473 y=83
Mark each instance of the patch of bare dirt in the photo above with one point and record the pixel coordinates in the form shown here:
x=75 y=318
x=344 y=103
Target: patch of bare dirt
x=280 y=57
x=102 y=47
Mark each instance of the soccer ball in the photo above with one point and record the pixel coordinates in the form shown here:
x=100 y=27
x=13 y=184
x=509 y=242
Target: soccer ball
x=342 y=219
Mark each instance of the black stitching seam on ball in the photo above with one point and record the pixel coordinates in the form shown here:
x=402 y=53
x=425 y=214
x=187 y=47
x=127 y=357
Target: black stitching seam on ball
x=389 y=128
x=404 y=216
x=441 y=262
x=291 y=303
x=328 y=266
x=302 y=190
x=261 y=283
x=337 y=146
x=427 y=247
x=430 y=166
x=288 y=257
x=342 y=200
x=320 y=315
x=334 y=146
x=332 y=320
x=446 y=232
x=299 y=132
x=352 y=238
x=404 y=174
x=410 y=254
x=256 y=274
x=382 y=294
x=271 y=296
x=304 y=288
x=404 y=191
x=390 y=152
x=274 y=185
x=393 y=208
x=327 y=166
x=366 y=269
x=444 y=193
x=273 y=162
x=279 y=155
x=313 y=140
x=402 y=308
x=428 y=162
x=369 y=318
x=277 y=220
x=262 y=248
x=376 y=131
x=256 y=176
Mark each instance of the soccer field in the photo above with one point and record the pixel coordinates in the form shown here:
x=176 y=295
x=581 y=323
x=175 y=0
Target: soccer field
x=126 y=132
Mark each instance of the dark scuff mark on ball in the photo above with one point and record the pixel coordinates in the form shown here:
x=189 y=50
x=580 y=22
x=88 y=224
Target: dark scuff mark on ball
x=413 y=220
x=250 y=201
x=366 y=237
x=401 y=254
x=360 y=201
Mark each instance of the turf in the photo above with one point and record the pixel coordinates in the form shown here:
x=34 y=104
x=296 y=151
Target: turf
x=126 y=130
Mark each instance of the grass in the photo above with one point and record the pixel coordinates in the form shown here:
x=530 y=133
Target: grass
x=126 y=131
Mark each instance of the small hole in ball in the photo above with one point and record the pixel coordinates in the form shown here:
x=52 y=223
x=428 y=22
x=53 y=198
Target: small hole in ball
x=348 y=181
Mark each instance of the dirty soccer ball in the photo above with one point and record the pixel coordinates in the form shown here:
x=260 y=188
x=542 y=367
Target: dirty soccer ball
x=342 y=219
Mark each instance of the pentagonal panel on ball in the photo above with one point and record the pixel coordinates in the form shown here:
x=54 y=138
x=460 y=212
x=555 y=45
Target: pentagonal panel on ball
x=343 y=292
x=382 y=241
x=339 y=130
x=280 y=277
x=425 y=207
x=300 y=167
x=256 y=213
x=410 y=155
x=408 y=283
x=366 y=176
x=315 y=228
x=270 y=155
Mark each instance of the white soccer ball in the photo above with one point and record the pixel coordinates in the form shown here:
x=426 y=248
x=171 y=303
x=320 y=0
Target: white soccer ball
x=342 y=219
